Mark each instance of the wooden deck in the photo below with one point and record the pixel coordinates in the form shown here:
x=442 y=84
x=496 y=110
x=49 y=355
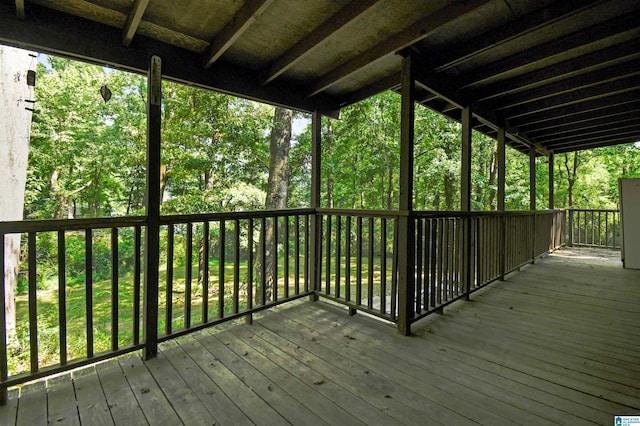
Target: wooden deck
x=556 y=343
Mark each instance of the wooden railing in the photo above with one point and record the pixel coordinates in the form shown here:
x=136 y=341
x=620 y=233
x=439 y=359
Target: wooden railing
x=594 y=228
x=223 y=266
x=217 y=267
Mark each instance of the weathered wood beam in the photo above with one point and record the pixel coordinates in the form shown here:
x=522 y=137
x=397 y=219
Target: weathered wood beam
x=584 y=95
x=601 y=105
x=600 y=36
x=610 y=56
x=20 y=9
x=502 y=165
x=47 y=31
x=465 y=169
x=584 y=81
x=152 y=208
x=416 y=32
x=133 y=20
x=347 y=14
x=551 y=158
x=609 y=128
x=621 y=134
x=234 y=29
x=602 y=121
x=406 y=225
x=391 y=82
x=316 y=220
x=539 y=20
x=596 y=144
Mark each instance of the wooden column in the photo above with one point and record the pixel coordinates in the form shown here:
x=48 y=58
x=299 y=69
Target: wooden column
x=532 y=200
x=406 y=225
x=465 y=197
x=502 y=166
x=551 y=181
x=152 y=204
x=316 y=219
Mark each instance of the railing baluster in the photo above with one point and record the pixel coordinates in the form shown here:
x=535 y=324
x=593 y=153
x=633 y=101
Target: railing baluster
x=263 y=265
x=62 y=297
x=359 y=260
x=250 y=267
x=327 y=276
x=274 y=289
x=296 y=255
x=394 y=274
x=188 y=275
x=307 y=252
x=338 y=254
x=370 y=265
x=383 y=265
x=169 y=291
x=137 y=267
x=347 y=261
x=114 y=289
x=205 y=271
x=419 y=272
x=236 y=267
x=221 y=264
x=88 y=289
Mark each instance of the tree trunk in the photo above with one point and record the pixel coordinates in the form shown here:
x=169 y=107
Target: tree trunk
x=15 y=126
x=277 y=193
x=571 y=175
x=493 y=176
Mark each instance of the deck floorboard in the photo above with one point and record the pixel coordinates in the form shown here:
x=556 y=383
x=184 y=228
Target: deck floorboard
x=555 y=343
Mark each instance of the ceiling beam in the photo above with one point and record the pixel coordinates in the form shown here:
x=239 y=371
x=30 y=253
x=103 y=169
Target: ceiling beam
x=391 y=82
x=604 y=130
x=580 y=96
x=20 y=9
x=601 y=105
x=47 y=31
x=347 y=14
x=414 y=33
x=583 y=81
x=234 y=29
x=133 y=20
x=595 y=144
x=622 y=137
x=600 y=36
x=614 y=55
x=633 y=133
x=495 y=38
x=604 y=120
x=584 y=117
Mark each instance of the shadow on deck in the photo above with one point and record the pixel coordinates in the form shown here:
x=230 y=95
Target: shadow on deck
x=556 y=343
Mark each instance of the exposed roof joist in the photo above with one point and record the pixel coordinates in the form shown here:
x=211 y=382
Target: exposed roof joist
x=133 y=20
x=234 y=29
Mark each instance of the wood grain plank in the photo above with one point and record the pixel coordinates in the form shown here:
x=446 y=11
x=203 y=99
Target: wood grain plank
x=9 y=411
x=222 y=407
x=155 y=406
x=93 y=408
x=32 y=408
x=62 y=408
x=121 y=400
x=181 y=397
x=238 y=391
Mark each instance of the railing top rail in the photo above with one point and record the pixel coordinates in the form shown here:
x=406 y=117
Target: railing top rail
x=594 y=210
x=442 y=213
x=20 y=226
x=257 y=214
x=363 y=212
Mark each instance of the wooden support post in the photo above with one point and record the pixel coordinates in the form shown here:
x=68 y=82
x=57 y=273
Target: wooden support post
x=502 y=165
x=406 y=225
x=551 y=181
x=532 y=200
x=152 y=201
x=465 y=197
x=316 y=219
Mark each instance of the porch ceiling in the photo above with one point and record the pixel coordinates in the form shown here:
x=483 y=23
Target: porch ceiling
x=557 y=75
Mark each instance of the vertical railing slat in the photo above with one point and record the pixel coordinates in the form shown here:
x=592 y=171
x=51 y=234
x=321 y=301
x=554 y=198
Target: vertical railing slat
x=236 y=267
x=114 y=289
x=169 y=291
x=137 y=269
x=370 y=264
x=62 y=296
x=89 y=289
x=188 y=275
x=221 y=264
x=205 y=271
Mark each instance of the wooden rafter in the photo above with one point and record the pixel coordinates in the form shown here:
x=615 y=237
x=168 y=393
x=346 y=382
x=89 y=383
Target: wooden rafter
x=20 y=9
x=613 y=119
x=133 y=20
x=234 y=29
x=347 y=14
x=414 y=33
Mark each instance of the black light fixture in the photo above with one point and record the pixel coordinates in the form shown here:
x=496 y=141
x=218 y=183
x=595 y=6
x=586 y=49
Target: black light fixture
x=106 y=93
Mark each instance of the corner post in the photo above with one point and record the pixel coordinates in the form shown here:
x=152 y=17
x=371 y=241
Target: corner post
x=465 y=197
x=554 y=225
x=532 y=200
x=152 y=204
x=502 y=165
x=406 y=225
x=316 y=218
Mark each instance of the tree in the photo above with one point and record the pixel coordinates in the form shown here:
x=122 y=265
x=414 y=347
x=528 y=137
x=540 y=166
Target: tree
x=277 y=193
x=16 y=103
